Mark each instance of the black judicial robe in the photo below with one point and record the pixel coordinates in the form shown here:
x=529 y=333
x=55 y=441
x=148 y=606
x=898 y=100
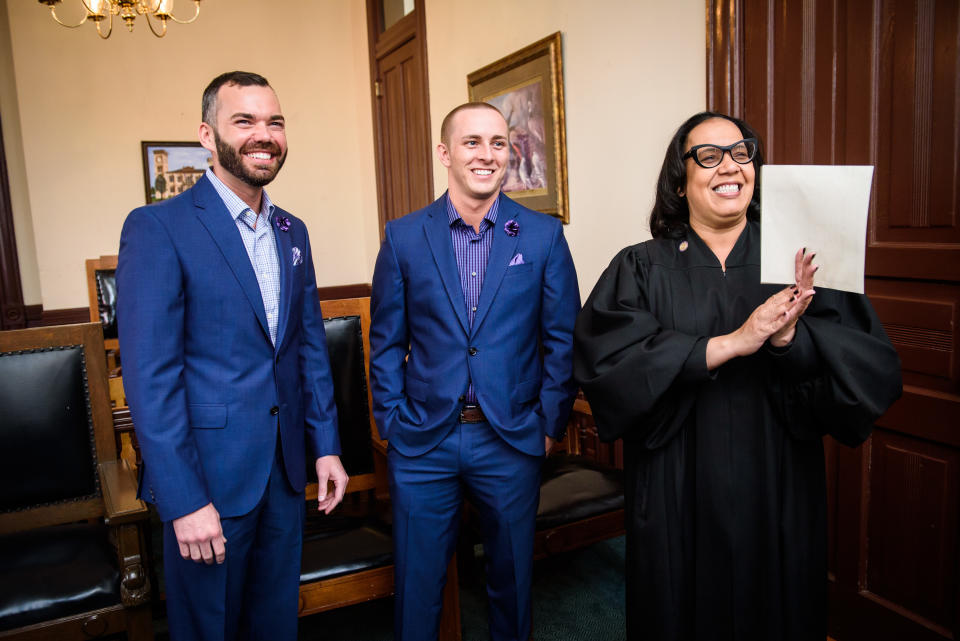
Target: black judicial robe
x=726 y=506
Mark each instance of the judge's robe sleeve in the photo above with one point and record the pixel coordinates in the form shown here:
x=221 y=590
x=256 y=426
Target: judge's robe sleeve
x=638 y=376
x=838 y=375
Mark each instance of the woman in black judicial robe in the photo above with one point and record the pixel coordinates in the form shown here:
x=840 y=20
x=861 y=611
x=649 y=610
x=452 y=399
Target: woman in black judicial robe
x=722 y=389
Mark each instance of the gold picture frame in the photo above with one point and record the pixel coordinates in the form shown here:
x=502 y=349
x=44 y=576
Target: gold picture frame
x=527 y=87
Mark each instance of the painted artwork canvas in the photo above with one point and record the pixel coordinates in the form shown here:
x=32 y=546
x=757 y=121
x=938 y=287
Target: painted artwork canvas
x=522 y=106
x=527 y=87
x=170 y=168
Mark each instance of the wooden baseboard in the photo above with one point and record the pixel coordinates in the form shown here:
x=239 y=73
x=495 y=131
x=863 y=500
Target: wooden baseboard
x=39 y=317
x=335 y=292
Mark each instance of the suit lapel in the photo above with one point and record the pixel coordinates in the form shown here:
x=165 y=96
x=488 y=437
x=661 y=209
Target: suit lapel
x=285 y=258
x=503 y=249
x=437 y=229
x=214 y=216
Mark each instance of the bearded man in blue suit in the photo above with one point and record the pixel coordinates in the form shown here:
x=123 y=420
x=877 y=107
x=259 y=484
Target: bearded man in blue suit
x=473 y=307
x=226 y=373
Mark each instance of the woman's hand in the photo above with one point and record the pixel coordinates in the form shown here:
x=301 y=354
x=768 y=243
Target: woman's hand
x=774 y=320
x=804 y=270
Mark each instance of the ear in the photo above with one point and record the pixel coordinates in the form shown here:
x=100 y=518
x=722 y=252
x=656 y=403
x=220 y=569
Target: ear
x=680 y=192
x=206 y=137
x=443 y=154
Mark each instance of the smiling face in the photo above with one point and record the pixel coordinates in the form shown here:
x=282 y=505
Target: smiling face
x=718 y=198
x=249 y=142
x=475 y=154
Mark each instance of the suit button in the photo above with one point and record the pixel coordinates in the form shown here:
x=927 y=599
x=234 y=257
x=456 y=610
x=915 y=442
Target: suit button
x=274 y=410
x=472 y=351
x=462 y=398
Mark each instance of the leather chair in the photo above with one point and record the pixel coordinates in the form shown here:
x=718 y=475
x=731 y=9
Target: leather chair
x=348 y=555
x=71 y=565
x=102 y=293
x=581 y=498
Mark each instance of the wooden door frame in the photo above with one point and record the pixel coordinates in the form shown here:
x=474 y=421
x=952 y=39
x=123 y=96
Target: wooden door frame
x=12 y=310
x=380 y=43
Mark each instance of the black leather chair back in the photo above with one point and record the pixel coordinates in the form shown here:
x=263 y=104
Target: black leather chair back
x=48 y=453
x=107 y=301
x=345 y=347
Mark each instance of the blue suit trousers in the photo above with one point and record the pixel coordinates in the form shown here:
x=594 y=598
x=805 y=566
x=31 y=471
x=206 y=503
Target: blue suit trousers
x=427 y=492
x=254 y=594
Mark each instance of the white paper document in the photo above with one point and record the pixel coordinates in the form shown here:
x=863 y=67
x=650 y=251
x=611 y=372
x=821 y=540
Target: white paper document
x=820 y=207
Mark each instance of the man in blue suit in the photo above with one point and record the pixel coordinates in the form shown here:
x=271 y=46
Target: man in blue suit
x=474 y=302
x=226 y=373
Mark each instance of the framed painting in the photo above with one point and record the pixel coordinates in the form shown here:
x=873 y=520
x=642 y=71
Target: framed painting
x=170 y=168
x=527 y=87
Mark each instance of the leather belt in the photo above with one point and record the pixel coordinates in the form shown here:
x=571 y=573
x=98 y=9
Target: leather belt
x=472 y=414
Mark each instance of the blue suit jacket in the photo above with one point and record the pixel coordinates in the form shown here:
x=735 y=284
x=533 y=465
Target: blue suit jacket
x=424 y=353
x=200 y=373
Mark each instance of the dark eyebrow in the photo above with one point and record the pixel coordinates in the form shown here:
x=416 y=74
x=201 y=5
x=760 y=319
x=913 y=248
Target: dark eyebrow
x=248 y=116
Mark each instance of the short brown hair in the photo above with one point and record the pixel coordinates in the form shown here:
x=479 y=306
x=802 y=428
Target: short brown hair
x=448 y=119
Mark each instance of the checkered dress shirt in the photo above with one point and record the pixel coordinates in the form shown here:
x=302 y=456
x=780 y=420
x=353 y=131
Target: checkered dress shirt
x=261 y=247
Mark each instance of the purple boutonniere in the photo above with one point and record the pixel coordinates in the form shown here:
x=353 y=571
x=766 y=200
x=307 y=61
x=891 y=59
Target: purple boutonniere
x=282 y=222
x=512 y=227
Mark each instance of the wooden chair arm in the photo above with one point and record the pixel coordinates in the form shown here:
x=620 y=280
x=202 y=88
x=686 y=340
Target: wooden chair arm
x=119 y=484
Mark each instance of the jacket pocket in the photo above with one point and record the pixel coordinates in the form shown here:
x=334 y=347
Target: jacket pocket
x=516 y=270
x=207 y=416
x=416 y=389
x=526 y=391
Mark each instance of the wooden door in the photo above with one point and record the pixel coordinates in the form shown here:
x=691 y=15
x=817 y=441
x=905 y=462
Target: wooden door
x=398 y=68
x=876 y=82
x=12 y=311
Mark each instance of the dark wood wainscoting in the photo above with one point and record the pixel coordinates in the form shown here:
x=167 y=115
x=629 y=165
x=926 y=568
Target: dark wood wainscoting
x=875 y=82
x=39 y=317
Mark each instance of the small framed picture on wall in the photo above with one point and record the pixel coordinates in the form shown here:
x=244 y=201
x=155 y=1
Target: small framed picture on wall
x=170 y=168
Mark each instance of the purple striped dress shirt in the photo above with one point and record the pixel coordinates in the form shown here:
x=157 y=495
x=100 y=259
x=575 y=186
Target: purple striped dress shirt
x=472 y=250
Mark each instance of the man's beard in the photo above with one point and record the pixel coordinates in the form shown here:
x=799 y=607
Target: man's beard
x=232 y=160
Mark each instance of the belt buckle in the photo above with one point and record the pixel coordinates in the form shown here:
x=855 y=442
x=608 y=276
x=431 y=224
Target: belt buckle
x=471 y=414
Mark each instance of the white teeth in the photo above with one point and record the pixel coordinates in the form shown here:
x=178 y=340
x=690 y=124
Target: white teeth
x=727 y=189
x=259 y=155
x=483 y=172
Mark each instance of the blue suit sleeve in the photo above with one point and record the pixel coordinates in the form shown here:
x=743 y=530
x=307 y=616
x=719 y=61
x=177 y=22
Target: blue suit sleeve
x=560 y=303
x=389 y=336
x=150 y=313
x=320 y=410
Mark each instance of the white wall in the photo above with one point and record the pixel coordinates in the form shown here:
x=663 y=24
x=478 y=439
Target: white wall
x=634 y=70
x=85 y=104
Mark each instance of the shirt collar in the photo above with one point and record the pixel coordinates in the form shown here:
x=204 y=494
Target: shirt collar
x=234 y=203
x=453 y=215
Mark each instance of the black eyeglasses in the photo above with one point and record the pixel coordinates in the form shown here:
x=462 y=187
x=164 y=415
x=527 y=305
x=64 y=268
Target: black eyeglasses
x=709 y=156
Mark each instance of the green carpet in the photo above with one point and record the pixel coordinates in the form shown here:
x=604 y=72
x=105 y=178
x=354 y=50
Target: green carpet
x=577 y=596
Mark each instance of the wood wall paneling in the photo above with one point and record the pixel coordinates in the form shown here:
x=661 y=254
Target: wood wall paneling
x=913 y=530
x=12 y=311
x=876 y=82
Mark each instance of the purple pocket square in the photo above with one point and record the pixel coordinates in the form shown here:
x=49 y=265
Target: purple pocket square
x=297 y=256
x=516 y=260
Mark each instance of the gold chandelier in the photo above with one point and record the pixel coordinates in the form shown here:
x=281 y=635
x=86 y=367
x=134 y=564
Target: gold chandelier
x=99 y=11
